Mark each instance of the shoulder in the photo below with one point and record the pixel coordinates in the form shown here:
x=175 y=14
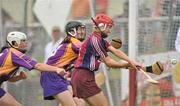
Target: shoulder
x=96 y=39
x=17 y=53
x=75 y=40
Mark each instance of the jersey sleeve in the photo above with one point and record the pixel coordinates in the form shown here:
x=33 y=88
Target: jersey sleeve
x=107 y=43
x=23 y=60
x=100 y=47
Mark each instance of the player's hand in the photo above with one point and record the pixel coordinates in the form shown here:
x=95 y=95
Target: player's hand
x=23 y=75
x=138 y=65
x=61 y=71
x=68 y=75
x=2 y=73
x=135 y=65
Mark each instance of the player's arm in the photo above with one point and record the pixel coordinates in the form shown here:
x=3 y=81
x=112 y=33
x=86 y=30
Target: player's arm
x=114 y=64
x=100 y=50
x=119 y=53
x=123 y=56
x=21 y=76
x=45 y=67
x=26 y=62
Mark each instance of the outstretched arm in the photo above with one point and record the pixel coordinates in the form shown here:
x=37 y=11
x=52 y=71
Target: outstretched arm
x=114 y=64
x=26 y=62
x=45 y=67
x=123 y=56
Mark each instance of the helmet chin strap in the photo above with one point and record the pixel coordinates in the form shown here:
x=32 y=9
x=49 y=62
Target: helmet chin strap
x=22 y=50
x=12 y=45
x=103 y=35
x=103 y=28
x=17 y=47
x=75 y=32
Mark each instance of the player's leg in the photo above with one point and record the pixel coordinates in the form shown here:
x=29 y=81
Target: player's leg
x=79 y=101
x=8 y=100
x=65 y=98
x=98 y=100
x=70 y=89
x=56 y=87
x=84 y=86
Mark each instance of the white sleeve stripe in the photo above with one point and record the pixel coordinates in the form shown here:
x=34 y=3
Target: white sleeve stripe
x=98 y=49
x=92 y=63
x=95 y=43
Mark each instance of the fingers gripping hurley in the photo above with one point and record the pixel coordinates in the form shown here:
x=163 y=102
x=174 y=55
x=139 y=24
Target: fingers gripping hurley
x=149 y=78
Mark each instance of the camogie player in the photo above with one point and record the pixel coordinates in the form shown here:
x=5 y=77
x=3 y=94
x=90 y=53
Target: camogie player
x=11 y=58
x=55 y=86
x=93 y=50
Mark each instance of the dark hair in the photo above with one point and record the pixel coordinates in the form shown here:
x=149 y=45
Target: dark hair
x=67 y=39
x=2 y=48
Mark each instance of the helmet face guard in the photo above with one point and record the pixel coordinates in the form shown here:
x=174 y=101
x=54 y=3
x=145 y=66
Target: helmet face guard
x=103 y=22
x=76 y=29
x=81 y=33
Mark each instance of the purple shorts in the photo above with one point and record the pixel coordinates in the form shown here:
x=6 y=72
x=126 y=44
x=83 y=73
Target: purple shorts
x=83 y=83
x=2 y=92
x=52 y=84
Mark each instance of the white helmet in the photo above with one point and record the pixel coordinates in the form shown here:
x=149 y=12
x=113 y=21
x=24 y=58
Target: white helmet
x=16 y=36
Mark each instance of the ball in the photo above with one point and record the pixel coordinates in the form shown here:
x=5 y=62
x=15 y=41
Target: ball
x=116 y=43
x=173 y=61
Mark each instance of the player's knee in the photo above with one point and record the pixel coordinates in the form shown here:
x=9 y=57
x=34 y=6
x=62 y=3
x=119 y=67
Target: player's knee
x=105 y=104
x=80 y=103
x=68 y=104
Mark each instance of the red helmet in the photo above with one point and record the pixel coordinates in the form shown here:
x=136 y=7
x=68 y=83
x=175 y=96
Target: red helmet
x=102 y=18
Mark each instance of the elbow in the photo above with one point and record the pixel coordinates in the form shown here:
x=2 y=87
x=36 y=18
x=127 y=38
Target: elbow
x=108 y=63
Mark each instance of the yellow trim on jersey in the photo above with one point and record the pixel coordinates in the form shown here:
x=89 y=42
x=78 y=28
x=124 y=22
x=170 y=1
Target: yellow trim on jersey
x=69 y=54
x=8 y=65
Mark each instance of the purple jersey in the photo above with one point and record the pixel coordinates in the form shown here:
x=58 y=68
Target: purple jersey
x=11 y=59
x=65 y=54
x=94 y=48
